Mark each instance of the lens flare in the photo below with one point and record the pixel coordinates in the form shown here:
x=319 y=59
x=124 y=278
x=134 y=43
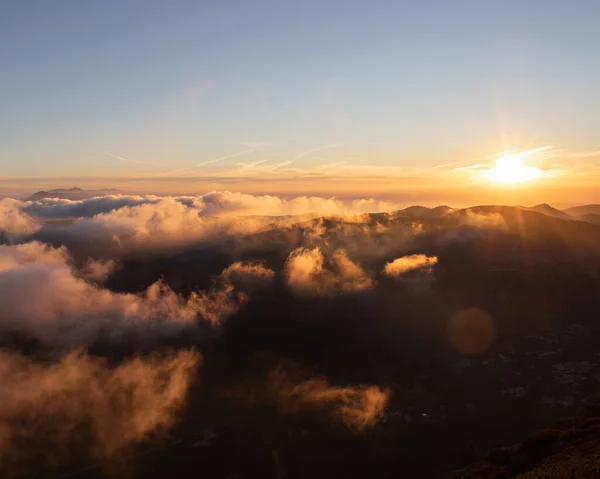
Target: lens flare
x=511 y=169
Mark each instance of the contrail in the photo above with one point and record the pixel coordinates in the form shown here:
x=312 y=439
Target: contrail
x=516 y=153
x=250 y=165
x=215 y=160
x=280 y=165
x=129 y=160
x=527 y=153
x=472 y=167
x=312 y=150
x=302 y=155
x=479 y=158
x=245 y=152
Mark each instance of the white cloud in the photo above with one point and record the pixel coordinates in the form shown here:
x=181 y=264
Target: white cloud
x=15 y=223
x=44 y=297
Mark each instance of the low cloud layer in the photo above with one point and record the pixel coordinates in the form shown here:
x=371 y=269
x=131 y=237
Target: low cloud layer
x=118 y=225
x=219 y=203
x=45 y=298
x=82 y=407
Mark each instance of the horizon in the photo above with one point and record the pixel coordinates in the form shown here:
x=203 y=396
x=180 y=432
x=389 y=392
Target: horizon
x=387 y=206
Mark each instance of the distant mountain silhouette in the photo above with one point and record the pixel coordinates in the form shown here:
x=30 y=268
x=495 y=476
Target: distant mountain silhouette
x=590 y=218
x=70 y=194
x=550 y=211
x=583 y=210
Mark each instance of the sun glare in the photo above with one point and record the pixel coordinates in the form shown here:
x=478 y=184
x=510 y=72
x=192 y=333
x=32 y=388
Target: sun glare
x=510 y=169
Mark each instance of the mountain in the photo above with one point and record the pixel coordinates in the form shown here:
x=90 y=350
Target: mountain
x=423 y=212
x=548 y=210
x=590 y=218
x=583 y=210
x=70 y=194
x=562 y=451
x=587 y=213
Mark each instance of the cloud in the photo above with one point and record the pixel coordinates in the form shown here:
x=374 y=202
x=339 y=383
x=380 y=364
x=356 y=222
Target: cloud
x=15 y=223
x=247 y=274
x=166 y=224
x=97 y=270
x=16 y=256
x=405 y=264
x=44 y=297
x=214 y=203
x=286 y=387
x=82 y=407
x=306 y=274
x=129 y=160
x=116 y=226
x=85 y=208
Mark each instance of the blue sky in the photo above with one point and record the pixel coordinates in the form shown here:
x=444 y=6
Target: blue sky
x=176 y=84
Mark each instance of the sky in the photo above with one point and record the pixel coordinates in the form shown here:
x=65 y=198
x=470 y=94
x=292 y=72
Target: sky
x=344 y=98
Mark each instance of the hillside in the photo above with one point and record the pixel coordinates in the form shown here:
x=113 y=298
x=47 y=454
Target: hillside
x=568 y=449
x=583 y=210
x=550 y=211
x=304 y=328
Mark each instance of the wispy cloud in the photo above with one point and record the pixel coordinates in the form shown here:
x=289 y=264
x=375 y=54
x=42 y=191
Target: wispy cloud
x=473 y=160
x=314 y=150
x=298 y=156
x=513 y=153
x=241 y=153
x=277 y=166
x=260 y=146
x=245 y=166
x=129 y=160
x=472 y=167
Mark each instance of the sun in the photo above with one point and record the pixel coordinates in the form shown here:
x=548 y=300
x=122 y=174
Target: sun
x=510 y=169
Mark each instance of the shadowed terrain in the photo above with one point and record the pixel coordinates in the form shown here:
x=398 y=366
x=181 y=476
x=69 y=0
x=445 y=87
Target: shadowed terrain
x=371 y=344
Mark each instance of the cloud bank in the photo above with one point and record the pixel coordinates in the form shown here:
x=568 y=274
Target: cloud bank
x=218 y=203
x=45 y=298
x=122 y=225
